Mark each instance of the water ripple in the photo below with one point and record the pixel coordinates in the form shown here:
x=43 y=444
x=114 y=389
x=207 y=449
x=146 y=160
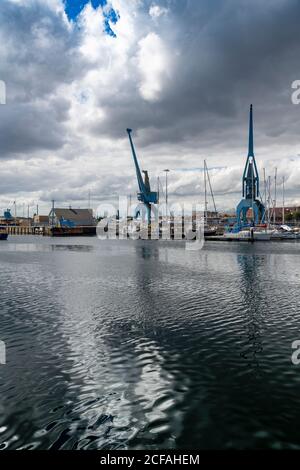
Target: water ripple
x=145 y=345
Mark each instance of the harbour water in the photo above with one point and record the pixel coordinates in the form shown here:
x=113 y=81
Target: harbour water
x=145 y=345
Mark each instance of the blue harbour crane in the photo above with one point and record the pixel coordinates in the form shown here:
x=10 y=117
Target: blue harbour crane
x=145 y=195
x=250 y=183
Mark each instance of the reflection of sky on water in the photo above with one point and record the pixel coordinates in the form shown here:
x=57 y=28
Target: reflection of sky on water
x=147 y=345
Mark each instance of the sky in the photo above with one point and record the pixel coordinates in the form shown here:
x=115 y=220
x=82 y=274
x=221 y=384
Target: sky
x=180 y=73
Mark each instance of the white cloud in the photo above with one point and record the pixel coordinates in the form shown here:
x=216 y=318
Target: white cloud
x=153 y=65
x=56 y=5
x=73 y=90
x=156 y=11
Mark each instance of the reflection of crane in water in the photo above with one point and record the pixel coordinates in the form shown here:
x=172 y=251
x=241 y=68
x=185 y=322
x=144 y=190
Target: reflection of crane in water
x=254 y=312
x=145 y=195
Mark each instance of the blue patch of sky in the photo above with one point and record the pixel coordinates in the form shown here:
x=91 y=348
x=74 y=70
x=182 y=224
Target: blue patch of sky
x=74 y=7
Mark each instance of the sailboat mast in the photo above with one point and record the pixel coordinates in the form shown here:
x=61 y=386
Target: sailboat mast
x=283 y=200
x=211 y=191
x=265 y=195
x=275 y=196
x=205 y=194
x=269 y=200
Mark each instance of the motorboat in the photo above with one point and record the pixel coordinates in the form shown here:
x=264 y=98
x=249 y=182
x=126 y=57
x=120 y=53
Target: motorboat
x=284 y=232
x=3 y=233
x=249 y=235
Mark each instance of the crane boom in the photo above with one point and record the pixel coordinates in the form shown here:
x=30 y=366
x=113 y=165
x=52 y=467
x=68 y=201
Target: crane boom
x=137 y=168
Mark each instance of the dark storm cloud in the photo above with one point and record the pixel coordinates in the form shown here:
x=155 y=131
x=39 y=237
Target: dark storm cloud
x=27 y=128
x=37 y=56
x=38 y=53
x=228 y=55
x=218 y=56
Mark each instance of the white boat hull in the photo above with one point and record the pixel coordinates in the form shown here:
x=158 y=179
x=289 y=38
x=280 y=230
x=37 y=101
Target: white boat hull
x=245 y=235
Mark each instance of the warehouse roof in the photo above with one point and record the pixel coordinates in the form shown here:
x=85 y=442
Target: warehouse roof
x=80 y=217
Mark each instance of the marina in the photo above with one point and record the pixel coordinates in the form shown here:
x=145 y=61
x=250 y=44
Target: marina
x=149 y=233
x=257 y=217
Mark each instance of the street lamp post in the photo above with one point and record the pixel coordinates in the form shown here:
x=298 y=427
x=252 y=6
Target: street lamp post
x=275 y=196
x=15 y=204
x=167 y=171
x=52 y=213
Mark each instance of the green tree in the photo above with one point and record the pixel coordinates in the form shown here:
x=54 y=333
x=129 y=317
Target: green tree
x=292 y=216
